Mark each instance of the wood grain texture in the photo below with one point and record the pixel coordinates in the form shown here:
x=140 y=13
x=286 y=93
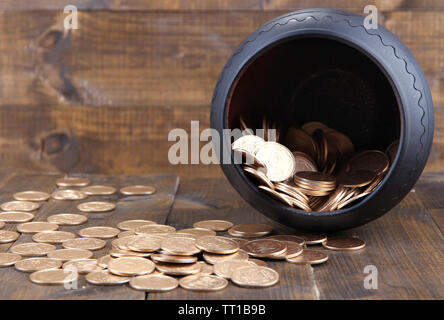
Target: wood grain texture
x=16 y=285
x=103 y=98
x=202 y=199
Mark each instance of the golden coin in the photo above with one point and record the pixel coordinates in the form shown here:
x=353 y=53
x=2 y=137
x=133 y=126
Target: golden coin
x=293 y=249
x=311 y=126
x=131 y=266
x=82 y=266
x=2 y=224
x=16 y=216
x=278 y=160
x=258 y=262
x=260 y=176
x=20 y=206
x=8 y=236
x=225 y=269
x=280 y=237
x=96 y=206
x=316 y=178
x=67 y=219
x=72 y=182
x=205 y=268
x=131 y=225
x=154 y=229
x=355 y=178
x=70 y=254
x=264 y=247
x=198 y=232
x=213 y=258
x=250 y=230
x=118 y=253
x=277 y=195
x=104 y=261
x=203 y=282
x=303 y=162
x=312 y=238
x=179 y=246
x=36 y=227
x=53 y=276
x=344 y=244
x=215 y=244
x=178 y=269
x=309 y=256
x=122 y=243
x=84 y=243
x=176 y=235
x=54 y=237
x=371 y=160
x=215 y=225
x=31 y=196
x=240 y=241
x=138 y=190
x=172 y=258
x=99 y=232
x=36 y=264
x=8 y=259
x=98 y=190
x=68 y=194
x=143 y=243
x=32 y=249
x=154 y=283
x=104 y=278
x=124 y=234
x=255 y=277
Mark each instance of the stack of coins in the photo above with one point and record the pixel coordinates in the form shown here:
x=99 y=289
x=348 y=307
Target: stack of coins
x=315 y=167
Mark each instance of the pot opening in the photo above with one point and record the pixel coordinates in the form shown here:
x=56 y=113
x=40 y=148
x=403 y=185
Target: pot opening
x=318 y=80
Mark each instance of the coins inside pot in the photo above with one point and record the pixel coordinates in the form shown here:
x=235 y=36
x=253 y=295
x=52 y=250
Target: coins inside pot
x=215 y=244
x=16 y=205
x=68 y=194
x=278 y=160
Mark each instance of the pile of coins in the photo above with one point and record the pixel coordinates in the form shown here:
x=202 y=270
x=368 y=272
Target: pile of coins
x=315 y=167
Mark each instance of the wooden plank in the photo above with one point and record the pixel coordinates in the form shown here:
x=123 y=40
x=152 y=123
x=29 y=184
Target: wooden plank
x=16 y=285
x=404 y=245
x=200 y=199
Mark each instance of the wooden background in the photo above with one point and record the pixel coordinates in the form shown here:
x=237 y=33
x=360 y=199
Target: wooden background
x=102 y=99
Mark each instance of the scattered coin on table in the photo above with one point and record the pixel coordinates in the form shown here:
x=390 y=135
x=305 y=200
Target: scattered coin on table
x=32 y=249
x=68 y=194
x=16 y=216
x=36 y=227
x=37 y=264
x=72 y=182
x=67 y=219
x=53 y=237
x=138 y=190
x=98 y=190
x=7 y=236
x=96 y=206
x=16 y=205
x=31 y=196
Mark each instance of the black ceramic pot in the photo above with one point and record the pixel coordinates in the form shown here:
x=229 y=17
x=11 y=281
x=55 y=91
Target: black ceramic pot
x=324 y=65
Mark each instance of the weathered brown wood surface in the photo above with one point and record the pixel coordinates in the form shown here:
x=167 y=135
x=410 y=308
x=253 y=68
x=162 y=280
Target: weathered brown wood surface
x=16 y=285
x=102 y=99
x=405 y=245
